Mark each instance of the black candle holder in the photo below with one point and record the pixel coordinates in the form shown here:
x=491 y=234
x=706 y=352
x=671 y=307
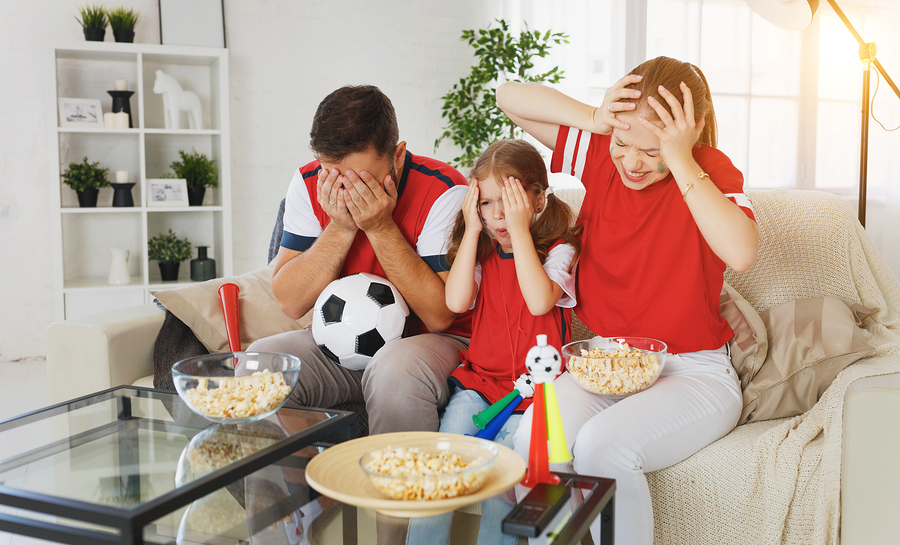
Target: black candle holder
x=121 y=102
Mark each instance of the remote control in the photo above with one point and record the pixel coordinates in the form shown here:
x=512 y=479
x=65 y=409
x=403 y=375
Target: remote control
x=532 y=515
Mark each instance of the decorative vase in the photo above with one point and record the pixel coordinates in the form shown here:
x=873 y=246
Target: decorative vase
x=118 y=268
x=88 y=197
x=121 y=102
x=168 y=270
x=94 y=34
x=202 y=268
x=124 y=35
x=195 y=195
x=122 y=194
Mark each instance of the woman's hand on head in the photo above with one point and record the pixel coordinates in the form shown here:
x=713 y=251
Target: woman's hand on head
x=679 y=132
x=517 y=209
x=605 y=119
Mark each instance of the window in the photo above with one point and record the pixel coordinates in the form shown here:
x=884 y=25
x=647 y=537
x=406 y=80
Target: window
x=787 y=103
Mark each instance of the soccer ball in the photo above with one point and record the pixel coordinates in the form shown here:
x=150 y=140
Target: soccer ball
x=356 y=315
x=543 y=361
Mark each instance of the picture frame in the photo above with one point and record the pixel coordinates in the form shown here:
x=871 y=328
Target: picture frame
x=192 y=22
x=167 y=192
x=83 y=113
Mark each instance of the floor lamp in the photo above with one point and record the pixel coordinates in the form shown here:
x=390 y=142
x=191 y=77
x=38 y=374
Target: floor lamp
x=797 y=15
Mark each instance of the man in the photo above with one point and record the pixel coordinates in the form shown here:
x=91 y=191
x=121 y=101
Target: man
x=366 y=204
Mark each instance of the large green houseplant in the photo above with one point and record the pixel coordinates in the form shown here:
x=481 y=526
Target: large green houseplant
x=199 y=171
x=169 y=251
x=86 y=179
x=474 y=120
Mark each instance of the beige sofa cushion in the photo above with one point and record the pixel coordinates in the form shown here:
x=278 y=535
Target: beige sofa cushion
x=750 y=344
x=199 y=307
x=809 y=342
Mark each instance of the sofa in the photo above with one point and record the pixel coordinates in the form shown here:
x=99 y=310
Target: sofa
x=816 y=457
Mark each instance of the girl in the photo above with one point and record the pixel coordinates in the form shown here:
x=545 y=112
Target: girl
x=513 y=254
x=664 y=214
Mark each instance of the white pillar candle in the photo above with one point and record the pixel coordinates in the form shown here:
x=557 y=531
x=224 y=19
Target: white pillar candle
x=121 y=176
x=109 y=120
x=121 y=120
x=121 y=84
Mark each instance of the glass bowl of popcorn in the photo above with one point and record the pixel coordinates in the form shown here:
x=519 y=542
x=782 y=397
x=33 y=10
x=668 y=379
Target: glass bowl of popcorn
x=615 y=365
x=236 y=387
x=436 y=468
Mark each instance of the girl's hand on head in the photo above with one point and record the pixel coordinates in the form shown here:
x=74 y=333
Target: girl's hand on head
x=605 y=119
x=471 y=208
x=679 y=132
x=517 y=209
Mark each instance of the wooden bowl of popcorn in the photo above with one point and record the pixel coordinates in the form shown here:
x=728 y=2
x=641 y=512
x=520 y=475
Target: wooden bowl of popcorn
x=615 y=366
x=438 y=468
x=236 y=387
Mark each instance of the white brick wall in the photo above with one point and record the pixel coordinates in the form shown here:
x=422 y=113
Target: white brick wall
x=285 y=57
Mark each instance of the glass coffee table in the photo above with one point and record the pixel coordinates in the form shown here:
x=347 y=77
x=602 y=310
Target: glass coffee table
x=274 y=505
x=117 y=466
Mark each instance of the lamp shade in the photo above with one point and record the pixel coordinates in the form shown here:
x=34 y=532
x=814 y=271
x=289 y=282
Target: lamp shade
x=786 y=14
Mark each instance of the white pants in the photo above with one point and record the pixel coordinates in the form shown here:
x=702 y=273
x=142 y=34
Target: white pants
x=695 y=401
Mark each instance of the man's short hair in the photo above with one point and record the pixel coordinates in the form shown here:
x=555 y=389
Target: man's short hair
x=353 y=119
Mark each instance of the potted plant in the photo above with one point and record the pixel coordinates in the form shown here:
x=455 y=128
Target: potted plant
x=474 y=120
x=169 y=251
x=200 y=173
x=122 y=21
x=93 y=21
x=86 y=179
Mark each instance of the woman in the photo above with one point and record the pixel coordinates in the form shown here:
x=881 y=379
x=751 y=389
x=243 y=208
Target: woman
x=664 y=213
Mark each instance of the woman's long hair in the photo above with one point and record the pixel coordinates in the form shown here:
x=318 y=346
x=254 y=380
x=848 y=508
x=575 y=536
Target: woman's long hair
x=669 y=73
x=521 y=160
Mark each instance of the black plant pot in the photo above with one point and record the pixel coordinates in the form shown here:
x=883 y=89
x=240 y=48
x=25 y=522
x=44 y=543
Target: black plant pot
x=88 y=197
x=169 y=270
x=94 y=34
x=195 y=195
x=122 y=194
x=124 y=35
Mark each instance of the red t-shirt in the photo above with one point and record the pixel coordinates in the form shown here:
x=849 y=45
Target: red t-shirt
x=504 y=330
x=430 y=194
x=645 y=269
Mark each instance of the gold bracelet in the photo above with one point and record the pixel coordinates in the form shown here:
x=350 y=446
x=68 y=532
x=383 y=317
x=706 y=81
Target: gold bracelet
x=689 y=185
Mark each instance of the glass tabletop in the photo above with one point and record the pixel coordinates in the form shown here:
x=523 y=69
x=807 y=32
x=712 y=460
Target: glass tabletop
x=274 y=506
x=133 y=454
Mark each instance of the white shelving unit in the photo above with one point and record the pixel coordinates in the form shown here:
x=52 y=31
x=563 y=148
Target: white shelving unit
x=82 y=237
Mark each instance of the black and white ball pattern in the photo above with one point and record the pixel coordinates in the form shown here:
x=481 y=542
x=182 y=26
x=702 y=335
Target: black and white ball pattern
x=543 y=361
x=355 y=316
x=525 y=385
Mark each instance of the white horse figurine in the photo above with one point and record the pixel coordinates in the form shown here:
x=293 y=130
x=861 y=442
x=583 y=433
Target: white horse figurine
x=176 y=100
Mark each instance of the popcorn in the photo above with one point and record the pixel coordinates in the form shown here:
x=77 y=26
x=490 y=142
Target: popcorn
x=221 y=449
x=238 y=397
x=622 y=371
x=411 y=474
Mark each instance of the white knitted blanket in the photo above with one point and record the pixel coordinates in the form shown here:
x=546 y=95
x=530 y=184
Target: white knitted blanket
x=779 y=481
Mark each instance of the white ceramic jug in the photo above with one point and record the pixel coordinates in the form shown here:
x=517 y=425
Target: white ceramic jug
x=118 y=268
